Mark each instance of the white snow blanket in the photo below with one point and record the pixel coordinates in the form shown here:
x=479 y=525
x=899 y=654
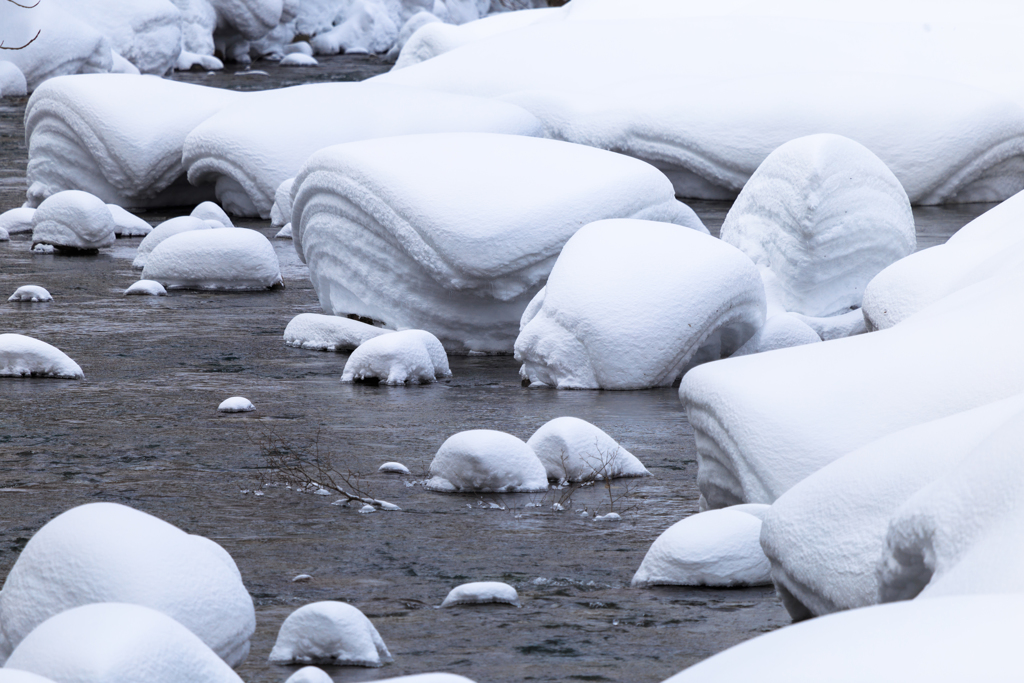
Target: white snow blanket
x=414 y=356
x=127 y=224
x=247 y=150
x=780 y=331
x=73 y=220
x=30 y=293
x=634 y=304
x=765 y=422
x=455 y=233
x=575 y=450
x=824 y=215
x=219 y=258
x=328 y=332
x=17 y=221
x=713 y=548
x=481 y=592
x=167 y=229
x=104 y=552
x=488 y=461
x=329 y=632
x=145 y=287
x=22 y=356
x=111 y=641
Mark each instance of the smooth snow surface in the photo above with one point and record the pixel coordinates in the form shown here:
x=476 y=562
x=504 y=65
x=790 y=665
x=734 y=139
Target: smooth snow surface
x=105 y=552
x=112 y=642
x=17 y=221
x=780 y=331
x=161 y=232
x=127 y=224
x=32 y=293
x=481 y=592
x=15 y=676
x=146 y=287
x=333 y=633
x=455 y=233
x=633 y=304
x=298 y=59
x=713 y=548
x=394 y=468
x=575 y=450
x=307 y=674
x=208 y=211
x=12 y=81
x=284 y=233
x=488 y=461
x=328 y=332
x=22 y=356
x=402 y=357
x=73 y=220
x=220 y=258
x=236 y=404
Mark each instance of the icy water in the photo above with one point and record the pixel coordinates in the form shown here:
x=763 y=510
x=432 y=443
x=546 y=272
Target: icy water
x=142 y=429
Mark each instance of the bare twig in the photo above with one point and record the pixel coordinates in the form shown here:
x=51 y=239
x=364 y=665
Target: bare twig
x=18 y=4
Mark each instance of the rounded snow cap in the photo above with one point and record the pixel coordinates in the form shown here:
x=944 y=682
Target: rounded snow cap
x=161 y=232
x=208 y=211
x=31 y=293
x=146 y=287
x=74 y=221
x=329 y=633
x=488 y=461
x=575 y=450
x=307 y=674
x=22 y=356
x=236 y=404
x=127 y=224
x=219 y=258
x=398 y=358
x=394 y=468
x=482 y=592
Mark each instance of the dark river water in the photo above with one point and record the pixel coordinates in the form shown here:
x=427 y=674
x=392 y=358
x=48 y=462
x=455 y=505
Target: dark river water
x=142 y=429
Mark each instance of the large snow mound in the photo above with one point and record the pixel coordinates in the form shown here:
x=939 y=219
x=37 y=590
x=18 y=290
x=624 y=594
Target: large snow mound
x=398 y=358
x=634 y=304
x=575 y=450
x=220 y=258
x=328 y=332
x=109 y=642
x=170 y=227
x=488 y=461
x=104 y=552
x=73 y=220
x=22 y=356
x=328 y=632
x=455 y=233
x=481 y=592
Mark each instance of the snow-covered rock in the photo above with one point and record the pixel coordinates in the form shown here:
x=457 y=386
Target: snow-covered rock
x=220 y=258
x=780 y=331
x=73 y=220
x=455 y=233
x=328 y=332
x=12 y=81
x=415 y=678
x=298 y=59
x=572 y=449
x=398 y=358
x=486 y=460
x=144 y=33
x=328 y=632
x=713 y=548
x=236 y=404
x=105 y=552
x=634 y=304
x=208 y=211
x=161 y=232
x=307 y=674
x=481 y=592
x=22 y=356
x=394 y=468
x=281 y=211
x=146 y=287
x=17 y=221
x=127 y=224
x=32 y=293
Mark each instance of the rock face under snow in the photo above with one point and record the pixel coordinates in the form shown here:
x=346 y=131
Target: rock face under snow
x=633 y=304
x=328 y=632
x=488 y=461
x=73 y=220
x=398 y=358
x=328 y=332
x=166 y=229
x=31 y=293
x=481 y=592
x=572 y=449
x=236 y=404
x=104 y=552
x=219 y=258
x=22 y=356
x=146 y=287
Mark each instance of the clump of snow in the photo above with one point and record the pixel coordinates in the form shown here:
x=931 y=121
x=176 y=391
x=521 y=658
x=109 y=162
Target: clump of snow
x=284 y=233
x=488 y=461
x=310 y=674
x=22 y=356
x=219 y=258
x=281 y=210
x=12 y=81
x=328 y=332
x=104 y=552
x=394 y=468
x=298 y=59
x=31 y=293
x=127 y=224
x=329 y=632
x=17 y=221
x=398 y=358
x=208 y=211
x=73 y=220
x=146 y=287
x=480 y=592
x=236 y=404
x=43 y=248
x=780 y=331
x=713 y=548
x=166 y=229
x=575 y=450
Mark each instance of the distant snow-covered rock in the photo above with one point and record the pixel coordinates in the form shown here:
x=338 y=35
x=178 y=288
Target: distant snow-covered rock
x=328 y=332
x=308 y=674
x=488 y=461
x=398 y=358
x=236 y=404
x=12 y=81
x=220 y=258
x=281 y=210
x=481 y=592
x=575 y=450
x=780 y=331
x=328 y=632
x=146 y=287
x=394 y=468
x=22 y=356
x=73 y=220
x=31 y=293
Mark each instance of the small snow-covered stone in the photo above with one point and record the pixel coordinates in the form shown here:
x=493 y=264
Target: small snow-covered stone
x=144 y=287
x=221 y=258
x=575 y=450
x=12 y=80
x=43 y=248
x=4 y=235
x=328 y=332
x=300 y=47
x=610 y=517
x=481 y=592
x=209 y=211
x=398 y=358
x=127 y=224
x=394 y=468
x=17 y=221
x=330 y=633
x=284 y=233
x=307 y=674
x=301 y=577
x=367 y=509
x=32 y=293
x=488 y=461
x=161 y=232
x=236 y=404
x=298 y=59
x=779 y=332
x=73 y=220
x=22 y=356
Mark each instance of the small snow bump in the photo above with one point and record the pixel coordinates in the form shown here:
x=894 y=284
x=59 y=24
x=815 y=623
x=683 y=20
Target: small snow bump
x=394 y=468
x=367 y=509
x=236 y=404
x=301 y=577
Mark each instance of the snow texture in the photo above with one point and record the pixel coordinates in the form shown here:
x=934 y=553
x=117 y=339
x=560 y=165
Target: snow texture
x=634 y=304
x=161 y=232
x=281 y=211
x=22 y=356
x=334 y=633
x=713 y=548
x=105 y=552
x=219 y=258
x=17 y=221
x=32 y=293
x=402 y=357
x=208 y=211
x=236 y=404
x=780 y=331
x=487 y=461
x=455 y=233
x=572 y=449
x=74 y=221
x=836 y=326
x=146 y=287
x=143 y=34
x=481 y=592
x=328 y=332
x=12 y=81
x=394 y=468
x=127 y=224
x=307 y=674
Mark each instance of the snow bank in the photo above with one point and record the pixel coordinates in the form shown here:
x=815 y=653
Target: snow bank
x=146 y=287
x=104 y=552
x=455 y=233
x=236 y=404
x=74 y=221
x=780 y=331
x=309 y=674
x=161 y=232
x=32 y=293
x=220 y=258
x=481 y=592
x=634 y=304
x=328 y=332
x=398 y=358
x=824 y=215
x=333 y=633
x=713 y=548
x=572 y=449
x=22 y=356
x=488 y=461
x=247 y=150
x=127 y=224
x=109 y=642
x=17 y=221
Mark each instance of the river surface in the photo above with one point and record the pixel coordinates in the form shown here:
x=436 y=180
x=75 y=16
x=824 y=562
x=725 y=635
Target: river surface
x=142 y=429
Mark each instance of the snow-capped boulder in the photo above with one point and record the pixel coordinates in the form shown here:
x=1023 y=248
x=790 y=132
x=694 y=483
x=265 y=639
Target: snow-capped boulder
x=146 y=287
x=208 y=211
x=12 y=81
x=713 y=548
x=74 y=221
x=328 y=332
x=780 y=331
x=394 y=468
x=22 y=356
x=220 y=258
x=455 y=233
x=307 y=674
x=30 y=293
x=328 y=632
x=634 y=304
x=161 y=232
x=236 y=404
x=398 y=358
x=298 y=59
x=481 y=592
x=17 y=221
x=104 y=553
x=281 y=211
x=127 y=224
x=111 y=641
x=488 y=461
x=572 y=449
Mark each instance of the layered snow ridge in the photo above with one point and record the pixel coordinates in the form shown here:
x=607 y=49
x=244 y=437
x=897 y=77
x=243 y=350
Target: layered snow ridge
x=456 y=233
x=328 y=332
x=633 y=304
x=414 y=356
x=219 y=258
x=575 y=450
x=22 y=356
x=487 y=461
x=329 y=632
